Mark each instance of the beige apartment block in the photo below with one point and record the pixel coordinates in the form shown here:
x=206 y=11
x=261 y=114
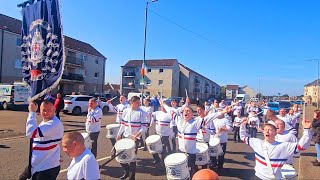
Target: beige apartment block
x=311 y=92
x=167 y=77
x=84 y=69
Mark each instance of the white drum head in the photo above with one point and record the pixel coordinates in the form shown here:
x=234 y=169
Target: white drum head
x=201 y=147
x=175 y=159
x=85 y=135
x=214 y=142
x=152 y=139
x=288 y=172
x=111 y=126
x=123 y=144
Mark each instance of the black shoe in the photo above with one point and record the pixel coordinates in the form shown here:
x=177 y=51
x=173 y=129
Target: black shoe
x=125 y=175
x=145 y=148
x=156 y=161
x=316 y=163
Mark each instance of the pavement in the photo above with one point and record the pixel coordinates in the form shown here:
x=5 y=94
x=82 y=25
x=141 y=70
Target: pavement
x=239 y=162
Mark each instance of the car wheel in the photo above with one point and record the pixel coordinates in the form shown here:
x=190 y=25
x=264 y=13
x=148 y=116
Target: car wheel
x=105 y=109
x=76 y=111
x=5 y=106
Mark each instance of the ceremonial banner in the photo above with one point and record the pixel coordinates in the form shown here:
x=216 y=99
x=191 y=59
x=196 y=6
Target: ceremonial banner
x=42 y=48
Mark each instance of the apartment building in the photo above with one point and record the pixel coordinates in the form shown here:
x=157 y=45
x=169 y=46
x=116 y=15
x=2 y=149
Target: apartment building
x=197 y=85
x=162 y=77
x=167 y=77
x=84 y=68
x=231 y=91
x=310 y=94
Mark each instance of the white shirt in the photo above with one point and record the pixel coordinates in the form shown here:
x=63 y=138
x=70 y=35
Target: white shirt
x=225 y=123
x=93 y=121
x=254 y=121
x=149 y=111
x=162 y=121
x=84 y=166
x=177 y=111
x=132 y=122
x=288 y=123
x=278 y=152
x=118 y=109
x=206 y=128
x=237 y=109
x=46 y=142
x=237 y=122
x=287 y=137
x=221 y=105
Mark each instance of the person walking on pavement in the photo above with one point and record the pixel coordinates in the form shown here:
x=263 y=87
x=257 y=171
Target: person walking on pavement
x=316 y=138
x=59 y=104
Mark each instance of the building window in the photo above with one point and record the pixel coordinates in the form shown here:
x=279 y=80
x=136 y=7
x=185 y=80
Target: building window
x=97 y=61
x=18 y=64
x=96 y=75
x=160 y=70
x=149 y=70
x=148 y=82
x=84 y=58
x=84 y=73
x=81 y=87
x=160 y=82
x=18 y=42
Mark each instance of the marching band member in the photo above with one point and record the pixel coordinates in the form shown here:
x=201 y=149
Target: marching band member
x=206 y=127
x=174 y=110
x=162 y=120
x=287 y=119
x=252 y=107
x=222 y=126
x=83 y=164
x=46 y=142
x=93 y=124
x=222 y=104
x=132 y=127
x=146 y=108
x=236 y=125
x=254 y=124
x=296 y=113
x=214 y=107
x=236 y=110
x=270 y=154
x=118 y=109
x=284 y=136
x=206 y=106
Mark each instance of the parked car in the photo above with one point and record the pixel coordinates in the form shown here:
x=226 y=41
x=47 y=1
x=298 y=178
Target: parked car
x=168 y=101
x=78 y=104
x=276 y=106
x=300 y=102
x=102 y=96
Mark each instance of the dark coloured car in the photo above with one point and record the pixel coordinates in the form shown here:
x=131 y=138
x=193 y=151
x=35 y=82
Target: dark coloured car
x=168 y=101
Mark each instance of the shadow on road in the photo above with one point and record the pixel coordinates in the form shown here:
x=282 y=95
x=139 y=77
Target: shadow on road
x=4 y=146
x=309 y=154
x=236 y=173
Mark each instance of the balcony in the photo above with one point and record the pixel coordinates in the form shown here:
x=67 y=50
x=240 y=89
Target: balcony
x=196 y=82
x=206 y=91
x=196 y=90
x=206 y=84
x=131 y=74
x=72 y=77
x=129 y=85
x=74 y=61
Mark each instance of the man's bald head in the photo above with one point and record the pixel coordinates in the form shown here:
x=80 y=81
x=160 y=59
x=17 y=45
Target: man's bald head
x=205 y=174
x=73 y=144
x=73 y=136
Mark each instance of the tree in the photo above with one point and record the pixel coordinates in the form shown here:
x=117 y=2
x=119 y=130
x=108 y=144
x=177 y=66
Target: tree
x=222 y=93
x=259 y=96
x=285 y=95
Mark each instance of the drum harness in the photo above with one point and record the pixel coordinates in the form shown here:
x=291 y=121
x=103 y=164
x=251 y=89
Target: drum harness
x=265 y=152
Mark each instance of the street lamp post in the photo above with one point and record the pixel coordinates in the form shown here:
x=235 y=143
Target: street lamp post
x=144 y=48
x=317 y=81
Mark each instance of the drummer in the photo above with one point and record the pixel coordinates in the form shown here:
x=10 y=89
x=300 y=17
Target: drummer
x=275 y=152
x=206 y=128
x=223 y=127
x=132 y=127
x=117 y=109
x=162 y=120
x=188 y=128
x=146 y=108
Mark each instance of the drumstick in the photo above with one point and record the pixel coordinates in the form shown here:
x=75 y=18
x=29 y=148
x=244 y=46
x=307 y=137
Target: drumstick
x=134 y=136
x=186 y=92
x=113 y=98
x=112 y=158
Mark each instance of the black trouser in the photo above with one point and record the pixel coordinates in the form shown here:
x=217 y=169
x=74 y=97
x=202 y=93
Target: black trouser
x=49 y=174
x=220 y=161
x=253 y=132
x=94 y=137
x=297 y=129
x=165 y=149
x=236 y=133
x=131 y=167
x=192 y=164
x=113 y=142
x=58 y=113
x=173 y=140
x=143 y=138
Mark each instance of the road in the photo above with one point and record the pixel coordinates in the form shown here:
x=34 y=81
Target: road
x=239 y=163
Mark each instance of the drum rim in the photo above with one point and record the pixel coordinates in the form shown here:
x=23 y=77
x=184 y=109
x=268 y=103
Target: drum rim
x=125 y=139
x=154 y=135
x=112 y=125
x=176 y=163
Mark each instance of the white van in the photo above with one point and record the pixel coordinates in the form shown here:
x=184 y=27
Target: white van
x=244 y=98
x=131 y=94
x=14 y=95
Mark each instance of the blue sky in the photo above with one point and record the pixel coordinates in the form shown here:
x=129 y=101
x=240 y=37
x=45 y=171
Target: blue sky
x=229 y=41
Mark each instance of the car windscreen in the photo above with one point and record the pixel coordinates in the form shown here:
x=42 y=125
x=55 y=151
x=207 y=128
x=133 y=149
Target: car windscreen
x=239 y=98
x=284 y=104
x=273 y=105
x=68 y=98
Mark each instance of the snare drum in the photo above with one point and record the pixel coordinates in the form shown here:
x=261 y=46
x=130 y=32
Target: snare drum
x=177 y=166
x=202 y=156
x=112 y=130
x=128 y=146
x=288 y=172
x=87 y=140
x=215 y=148
x=154 y=144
